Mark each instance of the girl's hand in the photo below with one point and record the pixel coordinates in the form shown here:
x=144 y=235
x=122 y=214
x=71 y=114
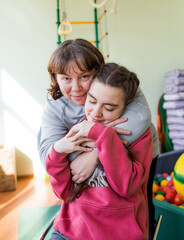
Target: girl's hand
x=83 y=166
x=89 y=144
x=68 y=145
x=120 y=131
x=80 y=130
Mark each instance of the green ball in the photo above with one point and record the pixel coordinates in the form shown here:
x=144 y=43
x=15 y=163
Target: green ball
x=160 y=192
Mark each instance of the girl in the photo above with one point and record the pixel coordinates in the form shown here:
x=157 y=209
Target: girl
x=116 y=208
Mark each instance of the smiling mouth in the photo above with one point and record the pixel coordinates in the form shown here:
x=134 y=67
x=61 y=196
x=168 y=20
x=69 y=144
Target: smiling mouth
x=96 y=120
x=79 y=97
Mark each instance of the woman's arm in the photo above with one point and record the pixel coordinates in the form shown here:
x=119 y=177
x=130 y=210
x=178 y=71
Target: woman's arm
x=57 y=118
x=139 y=118
x=52 y=128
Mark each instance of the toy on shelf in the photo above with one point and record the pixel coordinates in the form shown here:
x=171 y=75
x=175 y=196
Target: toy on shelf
x=174 y=106
x=8 y=178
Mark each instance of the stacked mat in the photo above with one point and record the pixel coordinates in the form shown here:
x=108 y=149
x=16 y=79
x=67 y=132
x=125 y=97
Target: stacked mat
x=174 y=105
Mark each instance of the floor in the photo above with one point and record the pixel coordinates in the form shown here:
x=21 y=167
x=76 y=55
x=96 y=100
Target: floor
x=30 y=193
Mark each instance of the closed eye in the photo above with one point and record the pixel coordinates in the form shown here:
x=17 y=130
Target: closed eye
x=109 y=110
x=92 y=102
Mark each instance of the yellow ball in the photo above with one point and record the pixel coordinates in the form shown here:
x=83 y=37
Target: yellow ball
x=160 y=197
x=178 y=177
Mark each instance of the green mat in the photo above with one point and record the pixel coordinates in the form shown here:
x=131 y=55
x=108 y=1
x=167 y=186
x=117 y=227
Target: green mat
x=34 y=221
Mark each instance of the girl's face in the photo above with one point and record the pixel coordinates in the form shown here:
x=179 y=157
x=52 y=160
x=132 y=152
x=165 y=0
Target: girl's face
x=104 y=103
x=75 y=83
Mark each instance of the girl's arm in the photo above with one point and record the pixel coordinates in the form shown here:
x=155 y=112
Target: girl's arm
x=57 y=166
x=124 y=175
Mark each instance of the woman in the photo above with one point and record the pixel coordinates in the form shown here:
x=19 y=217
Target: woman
x=116 y=206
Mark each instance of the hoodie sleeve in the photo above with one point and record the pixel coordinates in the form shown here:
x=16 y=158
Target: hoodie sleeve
x=124 y=175
x=57 y=166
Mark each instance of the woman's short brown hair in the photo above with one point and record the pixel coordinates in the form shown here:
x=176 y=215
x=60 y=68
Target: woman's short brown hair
x=80 y=51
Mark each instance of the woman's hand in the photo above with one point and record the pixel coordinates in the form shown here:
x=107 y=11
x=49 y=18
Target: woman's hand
x=83 y=166
x=68 y=145
x=120 y=131
x=80 y=130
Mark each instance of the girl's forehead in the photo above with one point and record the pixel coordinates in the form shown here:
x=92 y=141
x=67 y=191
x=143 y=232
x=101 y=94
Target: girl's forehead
x=104 y=91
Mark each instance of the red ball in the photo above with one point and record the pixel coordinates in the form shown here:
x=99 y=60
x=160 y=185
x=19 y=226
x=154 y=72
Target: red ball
x=170 y=196
x=170 y=183
x=165 y=189
x=165 y=175
x=177 y=200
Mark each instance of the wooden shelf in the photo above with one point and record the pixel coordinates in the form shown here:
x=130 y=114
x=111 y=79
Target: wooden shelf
x=30 y=193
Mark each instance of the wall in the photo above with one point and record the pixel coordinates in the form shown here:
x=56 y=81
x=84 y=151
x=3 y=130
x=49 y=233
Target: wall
x=145 y=36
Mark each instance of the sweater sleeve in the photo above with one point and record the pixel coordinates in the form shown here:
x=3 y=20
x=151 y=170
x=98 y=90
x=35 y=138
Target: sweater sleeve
x=52 y=128
x=124 y=175
x=57 y=166
x=138 y=114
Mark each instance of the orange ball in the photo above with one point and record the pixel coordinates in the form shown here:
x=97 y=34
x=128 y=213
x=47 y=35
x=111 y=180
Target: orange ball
x=160 y=197
x=154 y=188
x=164 y=183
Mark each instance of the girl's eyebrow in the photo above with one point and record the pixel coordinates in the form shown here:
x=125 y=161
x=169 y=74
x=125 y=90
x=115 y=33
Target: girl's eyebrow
x=110 y=104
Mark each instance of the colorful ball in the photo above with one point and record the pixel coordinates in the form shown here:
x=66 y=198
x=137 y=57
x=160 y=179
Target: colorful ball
x=177 y=200
x=163 y=183
x=154 y=188
x=165 y=175
x=170 y=196
x=179 y=176
x=160 y=193
x=168 y=178
x=160 y=197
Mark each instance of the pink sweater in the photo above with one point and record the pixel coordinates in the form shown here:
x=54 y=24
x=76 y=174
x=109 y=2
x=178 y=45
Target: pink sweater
x=104 y=213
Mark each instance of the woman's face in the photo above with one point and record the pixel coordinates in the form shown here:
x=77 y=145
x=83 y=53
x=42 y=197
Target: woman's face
x=104 y=103
x=75 y=83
